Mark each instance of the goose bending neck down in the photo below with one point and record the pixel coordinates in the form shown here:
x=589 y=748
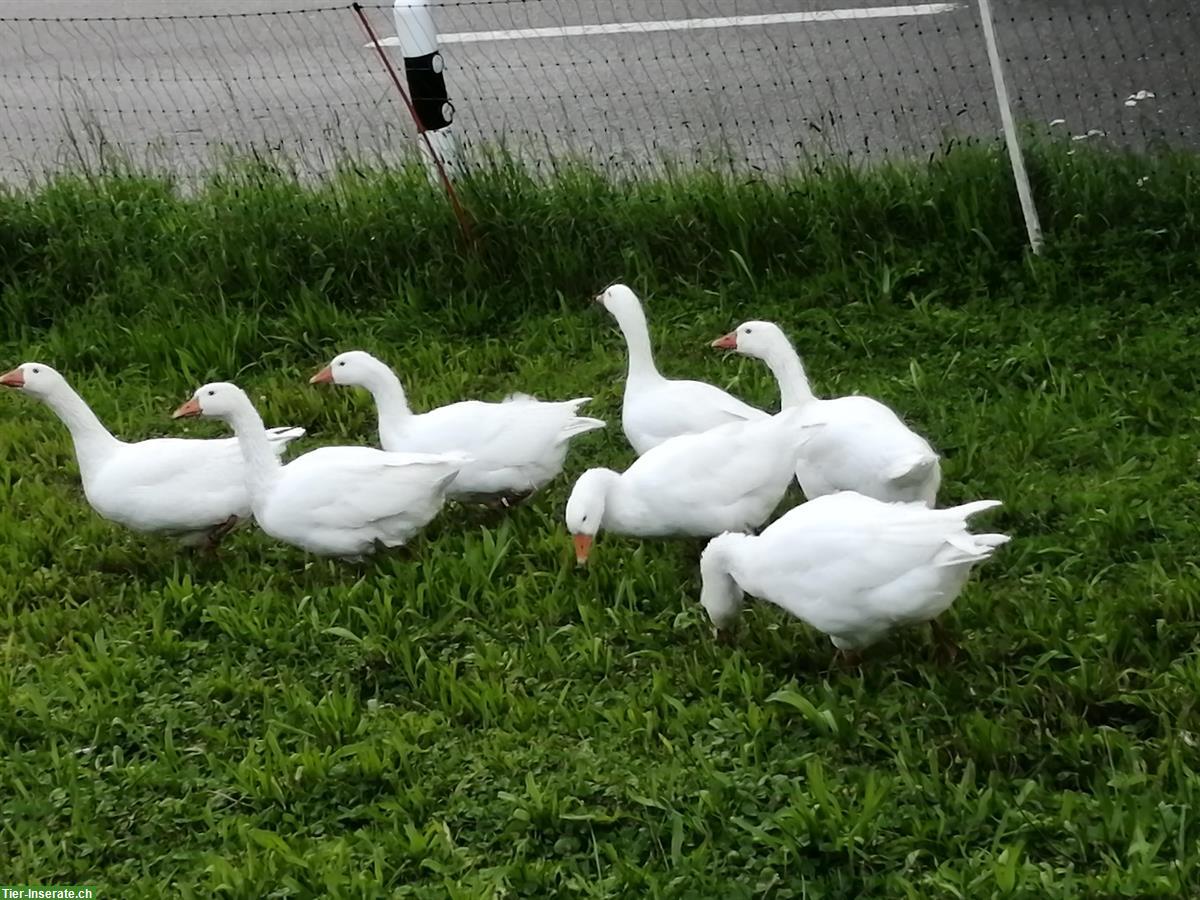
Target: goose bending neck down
x=193 y=489
x=334 y=501
x=587 y=507
x=720 y=594
x=729 y=478
x=848 y=565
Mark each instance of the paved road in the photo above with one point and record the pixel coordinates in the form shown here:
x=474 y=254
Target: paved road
x=173 y=90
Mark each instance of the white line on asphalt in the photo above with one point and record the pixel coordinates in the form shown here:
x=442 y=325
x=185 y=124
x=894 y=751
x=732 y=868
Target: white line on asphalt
x=816 y=15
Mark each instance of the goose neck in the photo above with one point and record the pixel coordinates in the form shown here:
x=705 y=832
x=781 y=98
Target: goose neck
x=631 y=319
x=720 y=592
x=262 y=465
x=93 y=442
x=388 y=393
x=785 y=364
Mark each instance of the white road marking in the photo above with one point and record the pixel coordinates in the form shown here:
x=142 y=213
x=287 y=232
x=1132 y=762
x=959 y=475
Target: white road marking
x=815 y=15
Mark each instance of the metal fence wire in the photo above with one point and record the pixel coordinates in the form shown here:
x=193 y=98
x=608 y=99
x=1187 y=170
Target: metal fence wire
x=747 y=84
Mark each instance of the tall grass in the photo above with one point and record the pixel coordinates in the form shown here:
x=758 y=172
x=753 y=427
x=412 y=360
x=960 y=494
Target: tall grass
x=256 y=239
x=480 y=718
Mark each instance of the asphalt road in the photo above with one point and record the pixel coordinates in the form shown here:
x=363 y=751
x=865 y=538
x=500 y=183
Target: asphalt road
x=280 y=74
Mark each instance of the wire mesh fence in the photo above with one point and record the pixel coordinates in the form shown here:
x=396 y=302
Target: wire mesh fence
x=751 y=84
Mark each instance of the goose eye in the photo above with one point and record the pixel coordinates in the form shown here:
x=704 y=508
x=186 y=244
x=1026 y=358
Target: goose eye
x=212 y=393
x=749 y=331
x=342 y=363
x=36 y=370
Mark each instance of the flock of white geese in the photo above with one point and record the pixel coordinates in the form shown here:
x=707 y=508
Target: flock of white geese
x=868 y=552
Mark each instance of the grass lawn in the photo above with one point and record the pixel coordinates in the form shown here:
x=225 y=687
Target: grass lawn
x=477 y=717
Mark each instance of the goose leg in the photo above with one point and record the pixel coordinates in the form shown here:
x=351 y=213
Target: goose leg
x=508 y=501
x=849 y=659
x=726 y=637
x=504 y=502
x=218 y=532
x=945 y=648
x=400 y=551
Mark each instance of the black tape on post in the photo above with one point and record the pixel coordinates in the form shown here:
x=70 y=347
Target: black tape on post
x=427 y=87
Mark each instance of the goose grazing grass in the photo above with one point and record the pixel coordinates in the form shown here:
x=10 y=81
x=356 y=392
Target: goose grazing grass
x=850 y=566
x=729 y=478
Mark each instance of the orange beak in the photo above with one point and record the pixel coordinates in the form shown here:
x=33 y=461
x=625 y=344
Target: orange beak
x=13 y=379
x=325 y=376
x=191 y=408
x=583 y=546
x=728 y=342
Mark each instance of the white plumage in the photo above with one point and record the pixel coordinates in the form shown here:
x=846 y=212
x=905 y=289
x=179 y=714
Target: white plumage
x=190 y=488
x=516 y=447
x=655 y=408
x=850 y=566
x=865 y=446
x=728 y=478
x=335 y=501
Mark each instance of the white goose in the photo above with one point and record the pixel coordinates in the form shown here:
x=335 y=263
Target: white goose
x=192 y=489
x=728 y=478
x=865 y=446
x=334 y=501
x=657 y=408
x=516 y=447
x=848 y=565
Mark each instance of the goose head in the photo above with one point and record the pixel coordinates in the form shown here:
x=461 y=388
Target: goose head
x=720 y=595
x=36 y=379
x=618 y=298
x=219 y=400
x=757 y=339
x=585 y=509
x=354 y=367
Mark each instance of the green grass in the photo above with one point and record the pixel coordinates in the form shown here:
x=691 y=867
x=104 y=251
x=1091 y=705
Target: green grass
x=483 y=719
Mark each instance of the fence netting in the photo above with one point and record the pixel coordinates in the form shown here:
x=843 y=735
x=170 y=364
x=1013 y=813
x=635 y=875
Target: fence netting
x=747 y=85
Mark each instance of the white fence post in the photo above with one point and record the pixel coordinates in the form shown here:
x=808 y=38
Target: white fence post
x=1033 y=226
x=417 y=36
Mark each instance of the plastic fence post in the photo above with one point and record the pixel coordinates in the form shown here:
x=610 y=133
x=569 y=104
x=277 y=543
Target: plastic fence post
x=424 y=67
x=1033 y=225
